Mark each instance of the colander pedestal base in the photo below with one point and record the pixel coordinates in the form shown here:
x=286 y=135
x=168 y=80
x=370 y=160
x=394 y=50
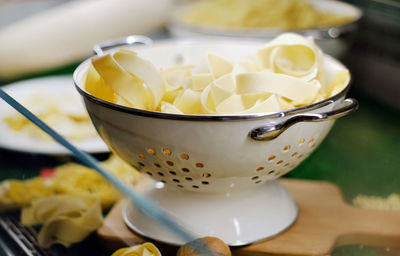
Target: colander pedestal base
x=238 y=218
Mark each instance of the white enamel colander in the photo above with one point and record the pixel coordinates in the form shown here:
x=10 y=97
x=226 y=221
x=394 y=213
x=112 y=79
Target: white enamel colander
x=216 y=174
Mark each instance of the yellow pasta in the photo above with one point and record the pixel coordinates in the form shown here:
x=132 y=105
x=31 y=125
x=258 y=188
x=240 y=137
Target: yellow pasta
x=65 y=219
x=16 y=194
x=146 y=249
x=277 y=14
x=96 y=86
x=69 y=203
x=289 y=87
x=218 y=65
x=132 y=78
x=392 y=202
x=292 y=55
x=200 y=81
x=71 y=122
x=283 y=74
x=70 y=178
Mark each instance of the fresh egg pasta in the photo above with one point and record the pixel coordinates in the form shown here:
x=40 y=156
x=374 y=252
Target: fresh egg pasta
x=285 y=73
x=146 y=249
x=65 y=219
x=63 y=113
x=68 y=202
x=70 y=178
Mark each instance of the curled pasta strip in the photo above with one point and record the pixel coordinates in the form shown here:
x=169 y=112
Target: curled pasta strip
x=96 y=86
x=289 y=87
x=338 y=82
x=66 y=219
x=218 y=66
x=188 y=101
x=293 y=55
x=176 y=77
x=146 y=249
x=212 y=96
x=169 y=108
x=134 y=79
x=200 y=81
x=271 y=104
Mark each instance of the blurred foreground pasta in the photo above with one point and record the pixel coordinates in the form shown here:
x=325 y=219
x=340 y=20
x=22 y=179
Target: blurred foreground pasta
x=146 y=249
x=71 y=178
x=65 y=219
x=67 y=203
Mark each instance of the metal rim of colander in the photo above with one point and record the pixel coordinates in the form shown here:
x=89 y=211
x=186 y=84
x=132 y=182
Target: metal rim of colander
x=161 y=115
x=188 y=117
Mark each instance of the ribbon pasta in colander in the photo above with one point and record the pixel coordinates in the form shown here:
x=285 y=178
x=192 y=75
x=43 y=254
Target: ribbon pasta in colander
x=283 y=74
x=132 y=78
x=291 y=55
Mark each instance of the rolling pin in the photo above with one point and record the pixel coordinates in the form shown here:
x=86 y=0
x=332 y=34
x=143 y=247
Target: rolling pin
x=66 y=34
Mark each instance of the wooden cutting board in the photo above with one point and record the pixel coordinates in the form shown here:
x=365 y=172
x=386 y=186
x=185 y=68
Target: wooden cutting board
x=325 y=221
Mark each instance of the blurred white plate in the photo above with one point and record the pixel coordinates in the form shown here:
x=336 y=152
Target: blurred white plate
x=19 y=141
x=333 y=40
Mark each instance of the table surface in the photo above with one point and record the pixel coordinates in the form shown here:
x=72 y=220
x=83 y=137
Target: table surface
x=360 y=154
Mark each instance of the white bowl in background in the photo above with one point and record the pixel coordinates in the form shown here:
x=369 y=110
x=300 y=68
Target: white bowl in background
x=334 y=40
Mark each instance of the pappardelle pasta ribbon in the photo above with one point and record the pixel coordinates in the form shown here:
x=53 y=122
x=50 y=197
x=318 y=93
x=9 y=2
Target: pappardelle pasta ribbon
x=68 y=200
x=145 y=249
x=66 y=219
x=283 y=74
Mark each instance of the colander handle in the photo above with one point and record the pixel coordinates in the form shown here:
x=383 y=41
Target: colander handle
x=129 y=40
x=271 y=132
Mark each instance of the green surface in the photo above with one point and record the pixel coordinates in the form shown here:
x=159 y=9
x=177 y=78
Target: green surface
x=360 y=154
x=361 y=250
